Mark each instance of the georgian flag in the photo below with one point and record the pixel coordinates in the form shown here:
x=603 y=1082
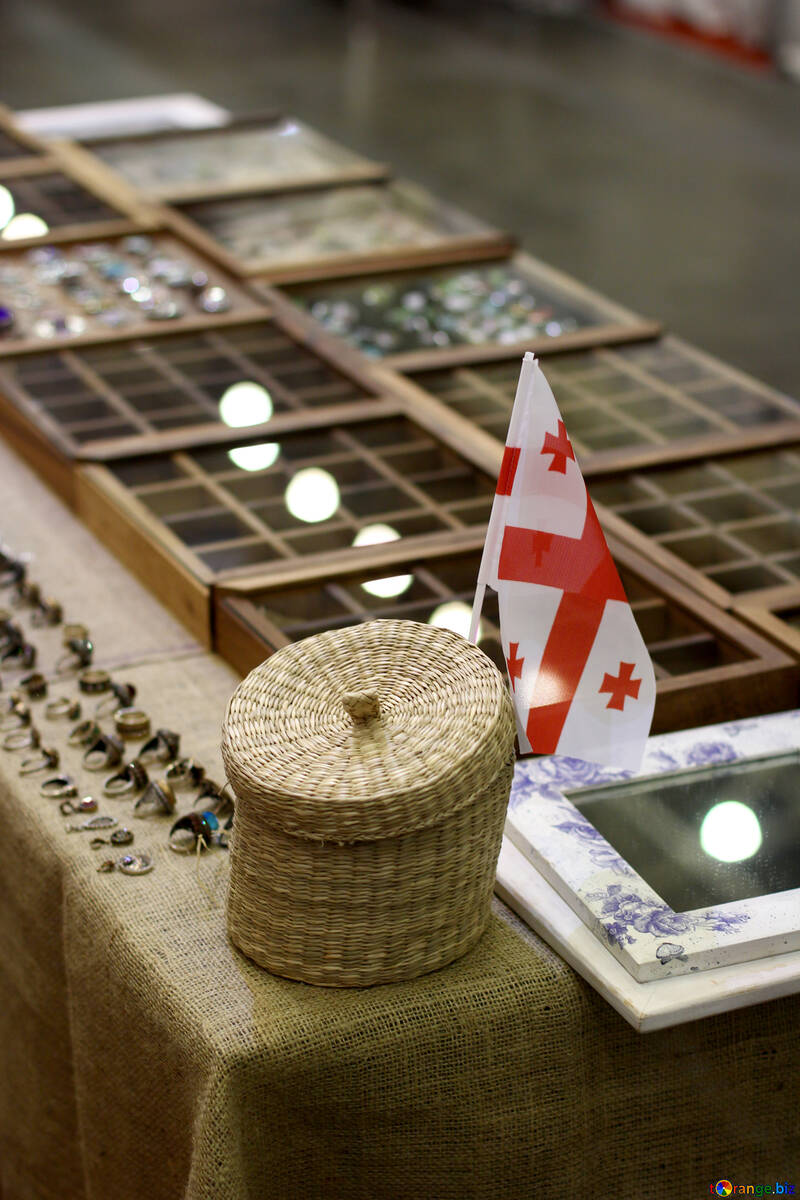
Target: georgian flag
x=581 y=678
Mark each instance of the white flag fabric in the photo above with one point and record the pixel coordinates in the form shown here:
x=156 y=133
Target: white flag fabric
x=581 y=677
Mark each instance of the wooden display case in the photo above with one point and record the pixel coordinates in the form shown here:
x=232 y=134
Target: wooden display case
x=460 y=314
x=301 y=501
x=271 y=152
x=776 y=615
x=708 y=666
x=628 y=406
x=314 y=233
x=728 y=527
x=81 y=292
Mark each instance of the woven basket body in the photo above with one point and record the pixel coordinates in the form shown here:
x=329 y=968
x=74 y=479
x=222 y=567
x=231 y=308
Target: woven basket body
x=372 y=767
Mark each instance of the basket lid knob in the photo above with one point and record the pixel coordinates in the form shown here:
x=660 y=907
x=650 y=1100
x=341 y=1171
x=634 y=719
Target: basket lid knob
x=361 y=706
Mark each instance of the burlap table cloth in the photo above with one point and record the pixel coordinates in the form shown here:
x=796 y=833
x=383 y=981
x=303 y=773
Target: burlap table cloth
x=143 y=1057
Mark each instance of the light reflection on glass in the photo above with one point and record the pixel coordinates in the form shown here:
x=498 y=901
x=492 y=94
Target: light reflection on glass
x=455 y=615
x=255 y=458
x=312 y=495
x=391 y=585
x=7 y=206
x=245 y=403
x=730 y=832
x=24 y=225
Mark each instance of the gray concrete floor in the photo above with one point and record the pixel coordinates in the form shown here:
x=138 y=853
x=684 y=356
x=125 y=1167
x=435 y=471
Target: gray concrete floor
x=667 y=179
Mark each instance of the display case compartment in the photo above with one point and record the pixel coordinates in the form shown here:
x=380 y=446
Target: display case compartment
x=81 y=292
x=267 y=151
x=302 y=497
x=728 y=527
x=628 y=406
x=776 y=615
x=314 y=233
x=146 y=395
x=708 y=665
x=419 y=320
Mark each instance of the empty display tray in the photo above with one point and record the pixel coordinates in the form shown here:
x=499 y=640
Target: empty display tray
x=708 y=666
x=308 y=498
x=729 y=526
x=631 y=405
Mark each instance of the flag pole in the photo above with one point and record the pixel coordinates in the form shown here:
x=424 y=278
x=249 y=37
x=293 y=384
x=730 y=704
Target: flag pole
x=477 y=607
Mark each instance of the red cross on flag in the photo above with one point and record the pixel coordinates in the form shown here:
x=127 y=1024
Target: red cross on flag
x=580 y=675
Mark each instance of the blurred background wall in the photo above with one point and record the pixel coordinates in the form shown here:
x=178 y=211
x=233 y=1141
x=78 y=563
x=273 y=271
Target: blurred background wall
x=663 y=170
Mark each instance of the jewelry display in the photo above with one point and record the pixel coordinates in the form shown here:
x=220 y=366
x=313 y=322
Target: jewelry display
x=62 y=709
x=162 y=747
x=22 y=739
x=122 y=696
x=129 y=864
x=87 y=805
x=47 y=759
x=79 y=654
x=157 y=799
x=93 y=680
x=132 y=778
x=184 y=774
x=120 y=837
x=60 y=787
x=317 y=226
x=34 y=686
x=84 y=734
x=255 y=153
x=132 y=724
x=106 y=751
x=59 y=293
x=98 y=822
x=196 y=830
x=48 y=612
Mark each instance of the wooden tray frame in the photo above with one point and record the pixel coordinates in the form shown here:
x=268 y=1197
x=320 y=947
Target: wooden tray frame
x=136 y=215
x=248 y=307
x=765 y=616
x=35 y=148
x=620 y=326
x=767 y=681
x=625 y=458
x=457 y=248
x=367 y=172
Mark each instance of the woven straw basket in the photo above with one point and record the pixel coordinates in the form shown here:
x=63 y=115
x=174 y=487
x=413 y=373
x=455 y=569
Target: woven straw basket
x=372 y=767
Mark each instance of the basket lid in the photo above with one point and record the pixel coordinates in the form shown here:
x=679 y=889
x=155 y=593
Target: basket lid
x=367 y=732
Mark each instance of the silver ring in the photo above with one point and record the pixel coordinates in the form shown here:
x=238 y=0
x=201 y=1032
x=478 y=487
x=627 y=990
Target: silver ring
x=104 y=752
x=158 y=797
x=22 y=739
x=60 y=787
x=62 y=708
x=132 y=778
x=46 y=761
